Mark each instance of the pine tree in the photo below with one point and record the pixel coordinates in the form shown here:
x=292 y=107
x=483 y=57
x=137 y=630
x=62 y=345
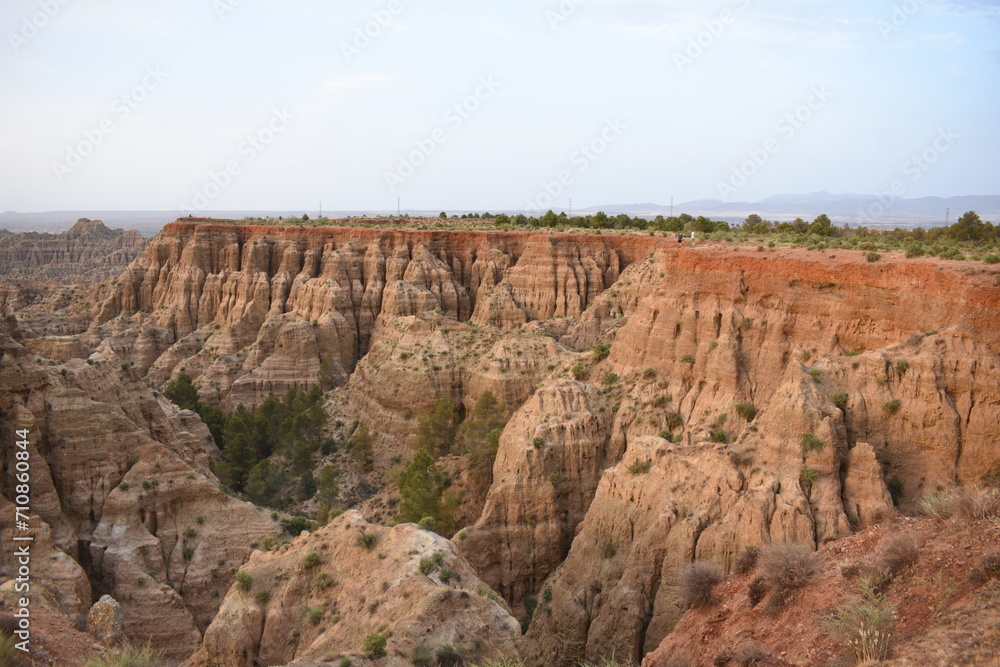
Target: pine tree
x=422 y=485
x=182 y=393
x=436 y=429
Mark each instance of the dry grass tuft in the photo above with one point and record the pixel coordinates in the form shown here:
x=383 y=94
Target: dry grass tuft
x=696 y=581
x=977 y=504
x=900 y=552
x=786 y=568
x=756 y=591
x=746 y=562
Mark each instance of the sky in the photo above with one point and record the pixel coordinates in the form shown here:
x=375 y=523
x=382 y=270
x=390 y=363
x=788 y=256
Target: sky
x=205 y=105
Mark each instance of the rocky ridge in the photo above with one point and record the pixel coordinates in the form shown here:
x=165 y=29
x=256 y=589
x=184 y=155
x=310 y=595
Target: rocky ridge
x=86 y=251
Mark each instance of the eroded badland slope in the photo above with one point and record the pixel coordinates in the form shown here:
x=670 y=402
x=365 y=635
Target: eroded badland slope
x=746 y=398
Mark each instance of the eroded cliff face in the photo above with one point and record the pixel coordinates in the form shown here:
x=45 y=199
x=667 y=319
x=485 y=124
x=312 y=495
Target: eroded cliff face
x=125 y=501
x=261 y=309
x=88 y=250
x=687 y=439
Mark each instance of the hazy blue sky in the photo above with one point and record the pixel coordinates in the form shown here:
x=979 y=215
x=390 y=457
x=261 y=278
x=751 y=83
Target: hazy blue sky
x=735 y=98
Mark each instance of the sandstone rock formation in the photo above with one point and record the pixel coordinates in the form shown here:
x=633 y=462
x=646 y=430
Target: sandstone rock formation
x=105 y=621
x=88 y=250
x=125 y=501
x=735 y=399
x=317 y=599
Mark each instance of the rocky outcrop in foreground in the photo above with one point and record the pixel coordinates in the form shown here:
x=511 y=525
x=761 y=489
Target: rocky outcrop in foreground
x=353 y=589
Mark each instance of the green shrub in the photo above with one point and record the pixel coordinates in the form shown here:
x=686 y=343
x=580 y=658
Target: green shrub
x=263 y=596
x=902 y=365
x=244 y=581
x=991 y=259
x=608 y=549
x=687 y=359
x=816 y=376
x=674 y=421
x=310 y=560
x=938 y=505
x=422 y=657
x=448 y=656
x=649 y=373
x=445 y=574
x=601 y=351
x=872 y=257
x=610 y=379
x=374 y=645
x=720 y=436
x=810 y=443
x=666 y=435
x=321 y=580
x=489 y=594
x=640 y=467
x=367 y=540
x=659 y=401
x=808 y=475
x=427 y=565
x=840 y=400
x=314 y=615
x=538 y=442
x=295 y=525
x=746 y=410
x=892 y=407
x=547 y=594
x=579 y=372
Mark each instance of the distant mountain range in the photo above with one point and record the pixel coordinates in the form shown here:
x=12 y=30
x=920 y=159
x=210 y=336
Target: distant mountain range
x=853 y=209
